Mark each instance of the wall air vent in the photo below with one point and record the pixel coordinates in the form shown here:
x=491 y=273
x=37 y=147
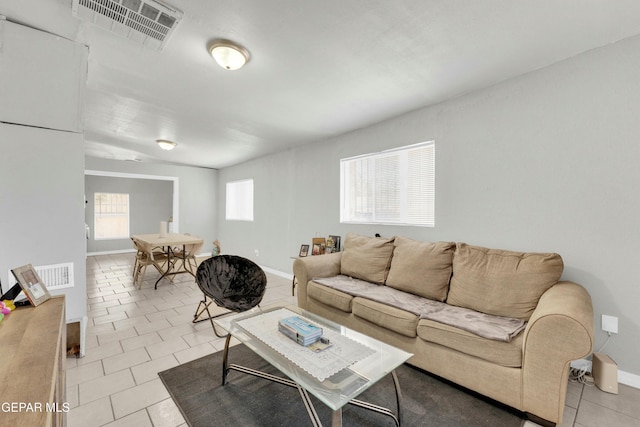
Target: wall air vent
x=145 y=21
x=56 y=276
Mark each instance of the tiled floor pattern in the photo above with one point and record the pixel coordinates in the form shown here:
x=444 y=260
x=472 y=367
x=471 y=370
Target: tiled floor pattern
x=133 y=334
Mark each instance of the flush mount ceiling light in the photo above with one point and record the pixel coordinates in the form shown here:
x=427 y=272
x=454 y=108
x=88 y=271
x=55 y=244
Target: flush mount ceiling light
x=228 y=54
x=165 y=144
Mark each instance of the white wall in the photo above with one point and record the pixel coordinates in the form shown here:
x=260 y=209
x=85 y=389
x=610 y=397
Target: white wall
x=41 y=199
x=197 y=193
x=548 y=161
x=41 y=157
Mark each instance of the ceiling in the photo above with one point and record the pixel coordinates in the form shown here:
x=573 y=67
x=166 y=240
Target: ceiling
x=317 y=69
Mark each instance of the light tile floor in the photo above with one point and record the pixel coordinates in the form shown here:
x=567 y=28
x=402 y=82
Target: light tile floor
x=134 y=334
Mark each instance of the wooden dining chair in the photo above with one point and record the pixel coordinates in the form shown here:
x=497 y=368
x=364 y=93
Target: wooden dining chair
x=146 y=256
x=140 y=253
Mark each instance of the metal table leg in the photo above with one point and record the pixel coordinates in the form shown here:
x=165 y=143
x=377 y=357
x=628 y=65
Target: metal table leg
x=336 y=418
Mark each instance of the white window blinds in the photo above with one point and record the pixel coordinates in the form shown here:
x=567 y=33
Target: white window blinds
x=240 y=200
x=391 y=187
x=111 y=216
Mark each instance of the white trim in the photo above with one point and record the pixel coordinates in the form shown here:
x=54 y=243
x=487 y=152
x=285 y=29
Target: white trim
x=176 y=189
x=128 y=251
x=83 y=331
x=391 y=150
x=120 y=251
x=627 y=378
x=128 y=175
x=277 y=272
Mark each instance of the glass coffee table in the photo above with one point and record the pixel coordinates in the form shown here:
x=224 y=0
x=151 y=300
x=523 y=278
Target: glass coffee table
x=367 y=360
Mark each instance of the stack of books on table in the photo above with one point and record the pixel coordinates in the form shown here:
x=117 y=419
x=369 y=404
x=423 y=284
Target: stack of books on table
x=300 y=330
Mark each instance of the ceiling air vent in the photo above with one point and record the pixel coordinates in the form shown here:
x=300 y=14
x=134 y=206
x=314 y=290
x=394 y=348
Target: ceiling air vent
x=146 y=21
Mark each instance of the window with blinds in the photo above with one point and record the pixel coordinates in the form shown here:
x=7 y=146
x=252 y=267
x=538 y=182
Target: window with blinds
x=240 y=200
x=391 y=187
x=111 y=216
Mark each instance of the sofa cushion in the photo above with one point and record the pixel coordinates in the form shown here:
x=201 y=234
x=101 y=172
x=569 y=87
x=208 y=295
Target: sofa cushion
x=367 y=258
x=507 y=354
x=499 y=282
x=421 y=268
x=394 y=319
x=485 y=325
x=330 y=297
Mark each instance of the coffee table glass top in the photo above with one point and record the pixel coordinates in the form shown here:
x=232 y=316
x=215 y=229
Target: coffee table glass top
x=338 y=389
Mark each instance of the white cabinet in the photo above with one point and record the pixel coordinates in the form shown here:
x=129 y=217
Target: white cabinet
x=42 y=78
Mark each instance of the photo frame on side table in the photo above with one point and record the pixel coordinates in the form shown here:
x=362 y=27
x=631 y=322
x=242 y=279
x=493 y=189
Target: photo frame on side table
x=31 y=284
x=333 y=244
x=304 y=250
x=319 y=245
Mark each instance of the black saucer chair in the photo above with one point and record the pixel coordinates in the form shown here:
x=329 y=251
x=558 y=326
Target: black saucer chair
x=232 y=282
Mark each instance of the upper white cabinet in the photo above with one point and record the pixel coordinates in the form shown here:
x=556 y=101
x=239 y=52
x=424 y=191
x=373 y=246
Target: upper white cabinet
x=42 y=78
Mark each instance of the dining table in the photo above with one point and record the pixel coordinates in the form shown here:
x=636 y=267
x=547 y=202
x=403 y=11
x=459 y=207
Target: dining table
x=172 y=244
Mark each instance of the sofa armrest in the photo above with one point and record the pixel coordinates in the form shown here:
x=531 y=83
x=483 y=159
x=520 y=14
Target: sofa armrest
x=307 y=268
x=559 y=331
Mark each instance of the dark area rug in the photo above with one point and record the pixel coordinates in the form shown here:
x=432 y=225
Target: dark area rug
x=250 y=401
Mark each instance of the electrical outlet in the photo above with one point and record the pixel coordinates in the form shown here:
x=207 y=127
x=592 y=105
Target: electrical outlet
x=257 y=252
x=610 y=324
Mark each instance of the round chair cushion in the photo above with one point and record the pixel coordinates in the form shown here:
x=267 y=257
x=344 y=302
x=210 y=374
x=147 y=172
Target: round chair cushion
x=233 y=282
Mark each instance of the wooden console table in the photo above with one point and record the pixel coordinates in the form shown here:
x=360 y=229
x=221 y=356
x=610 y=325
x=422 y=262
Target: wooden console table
x=32 y=359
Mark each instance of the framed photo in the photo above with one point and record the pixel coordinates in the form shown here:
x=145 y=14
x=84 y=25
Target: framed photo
x=333 y=242
x=319 y=245
x=31 y=284
x=304 y=250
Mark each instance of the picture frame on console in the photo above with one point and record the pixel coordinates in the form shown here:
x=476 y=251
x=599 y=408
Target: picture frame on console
x=304 y=251
x=333 y=244
x=319 y=245
x=30 y=282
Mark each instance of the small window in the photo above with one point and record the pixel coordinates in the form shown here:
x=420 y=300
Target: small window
x=240 y=200
x=111 y=216
x=394 y=187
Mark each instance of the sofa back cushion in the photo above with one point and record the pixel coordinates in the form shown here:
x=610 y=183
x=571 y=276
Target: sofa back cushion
x=421 y=268
x=367 y=258
x=503 y=283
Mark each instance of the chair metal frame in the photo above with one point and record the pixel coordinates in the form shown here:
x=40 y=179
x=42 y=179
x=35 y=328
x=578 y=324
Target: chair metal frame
x=203 y=306
x=205 y=303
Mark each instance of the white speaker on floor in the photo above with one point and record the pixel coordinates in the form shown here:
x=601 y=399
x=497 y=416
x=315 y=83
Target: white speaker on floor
x=605 y=372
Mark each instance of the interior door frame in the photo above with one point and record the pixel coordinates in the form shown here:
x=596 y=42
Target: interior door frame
x=176 y=195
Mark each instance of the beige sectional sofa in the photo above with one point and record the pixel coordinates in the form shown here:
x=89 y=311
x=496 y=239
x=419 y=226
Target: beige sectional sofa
x=498 y=322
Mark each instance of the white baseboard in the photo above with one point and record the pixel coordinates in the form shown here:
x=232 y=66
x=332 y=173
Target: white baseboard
x=629 y=379
x=277 y=272
x=121 y=251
